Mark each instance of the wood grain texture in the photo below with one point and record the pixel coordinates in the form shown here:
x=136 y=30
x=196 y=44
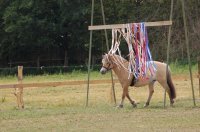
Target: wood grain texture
x=148 y=24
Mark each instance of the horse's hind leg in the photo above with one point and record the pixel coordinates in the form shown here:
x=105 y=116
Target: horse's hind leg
x=125 y=91
x=166 y=87
x=151 y=91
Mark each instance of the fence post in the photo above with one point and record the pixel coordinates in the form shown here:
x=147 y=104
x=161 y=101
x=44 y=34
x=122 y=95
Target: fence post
x=198 y=61
x=19 y=91
x=188 y=49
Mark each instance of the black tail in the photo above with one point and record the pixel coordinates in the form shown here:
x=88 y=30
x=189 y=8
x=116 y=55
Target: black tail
x=171 y=85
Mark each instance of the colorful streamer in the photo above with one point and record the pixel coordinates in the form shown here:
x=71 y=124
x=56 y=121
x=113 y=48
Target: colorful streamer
x=140 y=61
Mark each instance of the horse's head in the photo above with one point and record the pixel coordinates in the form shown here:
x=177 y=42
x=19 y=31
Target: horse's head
x=107 y=63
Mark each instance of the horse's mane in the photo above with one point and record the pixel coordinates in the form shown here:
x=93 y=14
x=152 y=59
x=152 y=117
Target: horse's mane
x=121 y=58
x=118 y=60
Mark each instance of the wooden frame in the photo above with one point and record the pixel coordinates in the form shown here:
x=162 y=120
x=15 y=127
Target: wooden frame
x=104 y=27
x=148 y=24
x=54 y=84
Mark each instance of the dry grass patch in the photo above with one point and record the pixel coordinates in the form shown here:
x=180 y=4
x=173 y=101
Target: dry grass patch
x=63 y=109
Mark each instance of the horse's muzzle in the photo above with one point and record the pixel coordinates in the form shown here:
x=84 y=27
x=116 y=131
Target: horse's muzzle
x=103 y=70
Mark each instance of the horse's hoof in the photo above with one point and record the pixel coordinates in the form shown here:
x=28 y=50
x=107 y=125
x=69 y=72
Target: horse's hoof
x=134 y=105
x=171 y=105
x=120 y=106
x=146 y=105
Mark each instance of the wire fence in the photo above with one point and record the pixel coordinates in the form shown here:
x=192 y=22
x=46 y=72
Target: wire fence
x=47 y=70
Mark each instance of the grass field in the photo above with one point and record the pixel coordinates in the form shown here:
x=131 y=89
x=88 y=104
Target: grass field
x=63 y=108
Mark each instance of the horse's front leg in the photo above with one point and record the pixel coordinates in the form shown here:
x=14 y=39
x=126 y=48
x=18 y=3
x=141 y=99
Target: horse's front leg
x=134 y=104
x=124 y=93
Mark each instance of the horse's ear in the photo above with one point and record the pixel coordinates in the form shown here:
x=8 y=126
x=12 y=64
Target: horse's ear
x=110 y=55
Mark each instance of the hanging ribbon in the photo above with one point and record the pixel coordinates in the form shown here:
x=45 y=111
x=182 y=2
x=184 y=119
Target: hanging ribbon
x=140 y=61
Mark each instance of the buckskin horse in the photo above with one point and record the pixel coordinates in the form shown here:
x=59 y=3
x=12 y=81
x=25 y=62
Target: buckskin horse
x=120 y=66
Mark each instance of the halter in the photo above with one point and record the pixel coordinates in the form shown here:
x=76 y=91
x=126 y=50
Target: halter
x=118 y=61
x=109 y=64
x=108 y=68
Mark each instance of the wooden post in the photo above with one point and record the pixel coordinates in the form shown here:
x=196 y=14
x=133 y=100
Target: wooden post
x=113 y=98
x=168 y=46
x=90 y=52
x=188 y=49
x=198 y=60
x=19 y=91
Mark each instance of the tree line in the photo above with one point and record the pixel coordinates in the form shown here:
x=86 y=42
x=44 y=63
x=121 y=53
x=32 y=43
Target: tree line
x=55 y=32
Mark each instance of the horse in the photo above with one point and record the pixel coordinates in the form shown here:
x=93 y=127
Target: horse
x=120 y=66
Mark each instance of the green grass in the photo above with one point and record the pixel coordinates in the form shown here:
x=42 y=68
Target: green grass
x=75 y=75
x=63 y=108
x=102 y=117
x=78 y=75
x=182 y=69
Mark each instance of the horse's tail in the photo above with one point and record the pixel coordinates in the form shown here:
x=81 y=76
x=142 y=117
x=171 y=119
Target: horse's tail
x=171 y=85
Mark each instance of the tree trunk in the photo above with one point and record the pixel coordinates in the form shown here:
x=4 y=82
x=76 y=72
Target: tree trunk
x=93 y=61
x=38 y=62
x=66 y=59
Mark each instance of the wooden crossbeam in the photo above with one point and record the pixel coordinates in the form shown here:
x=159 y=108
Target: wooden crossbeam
x=148 y=24
x=54 y=84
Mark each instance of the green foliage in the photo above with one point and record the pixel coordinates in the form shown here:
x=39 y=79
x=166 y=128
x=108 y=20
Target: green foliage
x=47 y=70
x=48 y=29
x=178 y=68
